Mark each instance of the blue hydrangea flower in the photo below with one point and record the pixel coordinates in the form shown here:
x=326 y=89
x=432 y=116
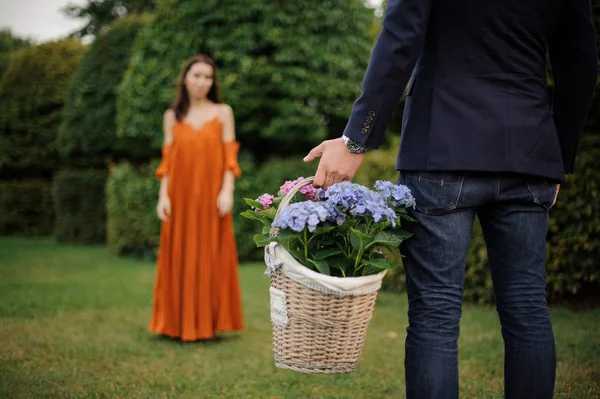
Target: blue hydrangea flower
x=359 y=200
x=397 y=194
x=345 y=195
x=299 y=215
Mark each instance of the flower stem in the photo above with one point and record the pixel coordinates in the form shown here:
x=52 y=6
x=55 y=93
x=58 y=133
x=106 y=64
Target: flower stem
x=305 y=242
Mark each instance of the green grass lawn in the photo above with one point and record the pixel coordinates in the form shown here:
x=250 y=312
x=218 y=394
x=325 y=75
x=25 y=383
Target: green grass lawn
x=73 y=325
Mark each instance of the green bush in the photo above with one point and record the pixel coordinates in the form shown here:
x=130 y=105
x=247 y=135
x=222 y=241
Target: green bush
x=32 y=94
x=87 y=133
x=573 y=239
x=26 y=207
x=79 y=205
x=131 y=195
x=255 y=182
x=290 y=70
x=132 y=226
x=9 y=43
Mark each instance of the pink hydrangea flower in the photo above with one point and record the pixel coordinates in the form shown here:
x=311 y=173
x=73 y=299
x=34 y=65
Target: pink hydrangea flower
x=309 y=192
x=288 y=185
x=266 y=200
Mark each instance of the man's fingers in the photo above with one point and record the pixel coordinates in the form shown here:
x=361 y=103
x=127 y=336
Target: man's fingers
x=329 y=180
x=315 y=153
x=320 y=176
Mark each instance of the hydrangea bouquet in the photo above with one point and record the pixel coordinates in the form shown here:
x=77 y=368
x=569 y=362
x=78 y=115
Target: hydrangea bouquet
x=344 y=231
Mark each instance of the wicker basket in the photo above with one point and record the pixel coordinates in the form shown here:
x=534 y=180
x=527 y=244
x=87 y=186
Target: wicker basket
x=317 y=327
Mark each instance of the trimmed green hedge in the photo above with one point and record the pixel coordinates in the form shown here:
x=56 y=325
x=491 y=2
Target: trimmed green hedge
x=32 y=94
x=132 y=227
x=79 y=205
x=573 y=238
x=26 y=207
x=290 y=70
x=87 y=133
x=255 y=182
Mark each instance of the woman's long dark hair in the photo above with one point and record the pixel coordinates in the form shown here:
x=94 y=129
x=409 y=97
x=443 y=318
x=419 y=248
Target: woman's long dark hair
x=182 y=101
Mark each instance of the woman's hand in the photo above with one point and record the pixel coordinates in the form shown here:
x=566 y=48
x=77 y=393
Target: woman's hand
x=163 y=209
x=225 y=202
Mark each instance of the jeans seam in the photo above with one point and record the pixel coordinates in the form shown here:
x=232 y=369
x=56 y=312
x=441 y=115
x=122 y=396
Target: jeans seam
x=497 y=197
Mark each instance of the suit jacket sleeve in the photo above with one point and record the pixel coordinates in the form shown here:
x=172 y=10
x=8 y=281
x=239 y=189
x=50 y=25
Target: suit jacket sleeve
x=574 y=61
x=394 y=56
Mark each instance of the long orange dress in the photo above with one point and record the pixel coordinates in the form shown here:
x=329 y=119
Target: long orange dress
x=196 y=293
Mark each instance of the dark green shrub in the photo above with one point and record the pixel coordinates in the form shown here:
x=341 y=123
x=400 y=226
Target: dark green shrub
x=9 y=43
x=255 y=182
x=32 y=94
x=79 y=205
x=131 y=195
x=26 y=207
x=132 y=226
x=87 y=134
x=573 y=238
x=290 y=70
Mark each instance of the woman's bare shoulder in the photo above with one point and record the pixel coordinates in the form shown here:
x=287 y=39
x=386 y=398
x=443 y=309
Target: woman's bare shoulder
x=169 y=116
x=225 y=111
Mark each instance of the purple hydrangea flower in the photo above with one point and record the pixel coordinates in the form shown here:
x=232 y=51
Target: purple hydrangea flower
x=300 y=215
x=266 y=200
x=397 y=194
x=359 y=200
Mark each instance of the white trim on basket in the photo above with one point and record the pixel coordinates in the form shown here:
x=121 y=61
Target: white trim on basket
x=277 y=258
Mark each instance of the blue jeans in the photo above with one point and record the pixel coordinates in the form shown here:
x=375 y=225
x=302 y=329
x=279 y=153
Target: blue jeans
x=513 y=212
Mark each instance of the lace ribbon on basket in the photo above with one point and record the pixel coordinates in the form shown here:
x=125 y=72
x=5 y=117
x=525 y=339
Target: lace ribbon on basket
x=270 y=261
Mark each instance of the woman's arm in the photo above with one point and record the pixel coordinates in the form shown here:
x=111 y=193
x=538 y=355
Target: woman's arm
x=228 y=137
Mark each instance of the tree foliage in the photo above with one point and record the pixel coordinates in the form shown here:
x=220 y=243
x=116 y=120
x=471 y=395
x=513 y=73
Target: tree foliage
x=290 y=70
x=101 y=14
x=8 y=44
x=32 y=94
x=87 y=134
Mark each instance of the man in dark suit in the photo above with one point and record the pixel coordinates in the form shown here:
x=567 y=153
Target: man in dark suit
x=479 y=138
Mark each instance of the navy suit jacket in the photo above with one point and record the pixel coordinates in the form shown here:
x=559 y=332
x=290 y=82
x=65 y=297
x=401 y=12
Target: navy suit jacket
x=477 y=96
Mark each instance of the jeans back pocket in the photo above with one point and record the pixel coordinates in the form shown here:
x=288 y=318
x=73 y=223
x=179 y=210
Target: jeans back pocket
x=435 y=193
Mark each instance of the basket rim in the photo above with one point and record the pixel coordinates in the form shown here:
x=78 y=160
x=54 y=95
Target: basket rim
x=341 y=286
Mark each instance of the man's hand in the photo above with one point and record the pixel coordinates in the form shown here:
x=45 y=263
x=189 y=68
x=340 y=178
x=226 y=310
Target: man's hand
x=337 y=164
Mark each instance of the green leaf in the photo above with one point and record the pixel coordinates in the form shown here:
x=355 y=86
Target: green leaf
x=269 y=213
x=321 y=266
x=324 y=254
x=387 y=239
x=381 y=264
x=253 y=203
x=355 y=241
x=362 y=235
x=322 y=230
x=340 y=263
x=261 y=240
x=254 y=216
x=401 y=234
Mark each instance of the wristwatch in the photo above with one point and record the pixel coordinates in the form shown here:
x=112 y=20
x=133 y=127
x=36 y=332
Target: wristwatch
x=354 y=146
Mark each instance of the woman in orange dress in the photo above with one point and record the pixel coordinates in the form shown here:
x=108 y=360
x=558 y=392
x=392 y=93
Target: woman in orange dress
x=196 y=293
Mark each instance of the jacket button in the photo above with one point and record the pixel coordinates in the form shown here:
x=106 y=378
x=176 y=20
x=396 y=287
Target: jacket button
x=366 y=125
x=369 y=119
x=363 y=131
x=371 y=113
